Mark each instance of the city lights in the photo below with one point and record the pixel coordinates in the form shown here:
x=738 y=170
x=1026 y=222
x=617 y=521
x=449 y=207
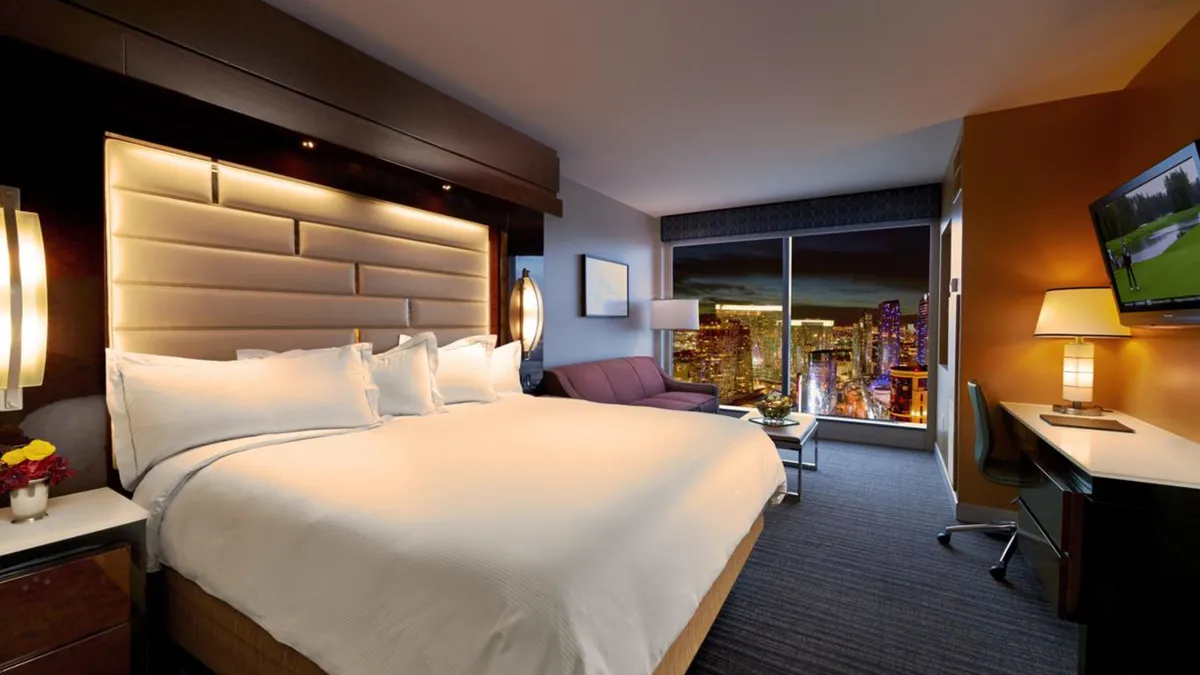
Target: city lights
x=857 y=330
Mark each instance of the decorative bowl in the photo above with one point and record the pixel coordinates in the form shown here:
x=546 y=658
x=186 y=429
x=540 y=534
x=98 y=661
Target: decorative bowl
x=775 y=407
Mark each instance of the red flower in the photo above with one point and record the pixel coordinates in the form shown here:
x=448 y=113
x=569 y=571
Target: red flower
x=16 y=477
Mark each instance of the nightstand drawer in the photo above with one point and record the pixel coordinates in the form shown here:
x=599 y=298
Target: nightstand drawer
x=104 y=654
x=66 y=601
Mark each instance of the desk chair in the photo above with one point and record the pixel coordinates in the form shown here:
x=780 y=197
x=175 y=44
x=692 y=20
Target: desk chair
x=1002 y=471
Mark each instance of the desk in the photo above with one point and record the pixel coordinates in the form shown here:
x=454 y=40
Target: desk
x=1111 y=524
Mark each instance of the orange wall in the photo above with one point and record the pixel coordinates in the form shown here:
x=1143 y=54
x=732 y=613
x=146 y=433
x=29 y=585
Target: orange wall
x=1028 y=177
x=1160 y=113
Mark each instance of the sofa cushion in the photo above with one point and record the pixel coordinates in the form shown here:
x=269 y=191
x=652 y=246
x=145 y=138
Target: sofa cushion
x=623 y=378
x=648 y=374
x=661 y=401
x=592 y=383
x=694 y=398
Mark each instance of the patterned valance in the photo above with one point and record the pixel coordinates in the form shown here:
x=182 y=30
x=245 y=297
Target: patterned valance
x=920 y=202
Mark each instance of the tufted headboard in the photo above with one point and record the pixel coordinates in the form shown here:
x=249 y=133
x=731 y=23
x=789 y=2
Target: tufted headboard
x=206 y=257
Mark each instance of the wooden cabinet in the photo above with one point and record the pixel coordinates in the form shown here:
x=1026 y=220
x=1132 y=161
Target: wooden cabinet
x=68 y=615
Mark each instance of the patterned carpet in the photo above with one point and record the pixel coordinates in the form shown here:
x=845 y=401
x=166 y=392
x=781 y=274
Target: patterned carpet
x=851 y=580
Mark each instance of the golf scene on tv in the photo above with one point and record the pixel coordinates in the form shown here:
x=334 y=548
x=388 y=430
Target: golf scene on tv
x=1151 y=240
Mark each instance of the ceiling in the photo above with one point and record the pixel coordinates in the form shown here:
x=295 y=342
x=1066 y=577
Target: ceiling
x=683 y=105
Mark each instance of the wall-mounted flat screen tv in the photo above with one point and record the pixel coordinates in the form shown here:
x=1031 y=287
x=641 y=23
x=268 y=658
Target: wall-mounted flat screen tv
x=1149 y=235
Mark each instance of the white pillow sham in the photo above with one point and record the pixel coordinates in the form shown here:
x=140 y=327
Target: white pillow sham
x=463 y=371
x=506 y=368
x=161 y=406
x=402 y=377
x=362 y=349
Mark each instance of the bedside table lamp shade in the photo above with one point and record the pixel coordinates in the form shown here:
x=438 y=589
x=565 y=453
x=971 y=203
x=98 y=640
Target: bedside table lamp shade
x=23 y=308
x=1079 y=313
x=675 y=314
x=525 y=313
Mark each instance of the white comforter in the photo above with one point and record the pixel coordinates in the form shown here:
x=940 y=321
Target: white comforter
x=532 y=536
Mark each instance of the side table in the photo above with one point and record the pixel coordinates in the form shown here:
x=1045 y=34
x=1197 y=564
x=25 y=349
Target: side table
x=794 y=437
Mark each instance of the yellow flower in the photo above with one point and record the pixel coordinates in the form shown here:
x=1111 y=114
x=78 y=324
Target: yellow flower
x=13 y=457
x=38 y=450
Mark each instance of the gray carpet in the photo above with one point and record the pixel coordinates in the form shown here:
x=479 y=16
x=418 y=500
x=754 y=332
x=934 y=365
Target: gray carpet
x=852 y=581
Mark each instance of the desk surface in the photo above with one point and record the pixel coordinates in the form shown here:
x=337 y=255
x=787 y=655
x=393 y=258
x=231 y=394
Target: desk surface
x=1149 y=455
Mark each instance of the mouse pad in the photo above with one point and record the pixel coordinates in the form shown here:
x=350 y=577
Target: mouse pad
x=1096 y=423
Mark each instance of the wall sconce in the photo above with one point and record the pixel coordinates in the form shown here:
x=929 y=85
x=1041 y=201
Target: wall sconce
x=22 y=300
x=525 y=313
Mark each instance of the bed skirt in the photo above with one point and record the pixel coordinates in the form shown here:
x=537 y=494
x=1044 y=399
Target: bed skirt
x=228 y=643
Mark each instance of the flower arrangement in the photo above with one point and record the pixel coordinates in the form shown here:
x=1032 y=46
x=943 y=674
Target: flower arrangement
x=35 y=461
x=775 y=406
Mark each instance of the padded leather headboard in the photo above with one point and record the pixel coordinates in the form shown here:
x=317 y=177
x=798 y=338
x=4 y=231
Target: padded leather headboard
x=206 y=257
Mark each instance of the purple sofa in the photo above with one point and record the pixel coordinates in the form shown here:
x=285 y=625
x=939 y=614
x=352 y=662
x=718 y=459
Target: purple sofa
x=633 y=380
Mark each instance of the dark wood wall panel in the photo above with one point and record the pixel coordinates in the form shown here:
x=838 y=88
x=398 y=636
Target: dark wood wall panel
x=301 y=79
x=158 y=63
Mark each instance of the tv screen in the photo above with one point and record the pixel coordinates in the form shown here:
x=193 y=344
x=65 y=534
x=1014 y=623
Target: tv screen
x=1149 y=236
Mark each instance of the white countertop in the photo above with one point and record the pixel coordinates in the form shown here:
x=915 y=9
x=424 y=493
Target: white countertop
x=1149 y=455
x=71 y=516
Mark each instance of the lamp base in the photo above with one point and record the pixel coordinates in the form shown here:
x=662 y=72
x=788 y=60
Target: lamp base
x=1079 y=409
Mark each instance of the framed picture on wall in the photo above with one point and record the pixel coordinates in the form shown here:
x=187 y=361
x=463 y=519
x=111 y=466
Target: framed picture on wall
x=605 y=288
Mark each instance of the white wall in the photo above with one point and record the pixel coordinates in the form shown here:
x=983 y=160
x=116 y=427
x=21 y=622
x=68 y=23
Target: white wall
x=603 y=227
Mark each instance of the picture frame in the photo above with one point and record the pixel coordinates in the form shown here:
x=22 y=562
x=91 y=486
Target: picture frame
x=605 y=288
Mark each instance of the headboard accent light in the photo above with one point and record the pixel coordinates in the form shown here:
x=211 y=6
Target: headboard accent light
x=23 y=302
x=205 y=257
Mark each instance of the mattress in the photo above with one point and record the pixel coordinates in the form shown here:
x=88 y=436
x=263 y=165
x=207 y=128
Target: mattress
x=535 y=535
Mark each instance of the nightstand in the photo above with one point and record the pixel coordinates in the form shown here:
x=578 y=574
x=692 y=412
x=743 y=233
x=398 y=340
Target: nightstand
x=71 y=593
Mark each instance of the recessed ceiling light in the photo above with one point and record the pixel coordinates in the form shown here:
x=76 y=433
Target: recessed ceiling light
x=447 y=187
x=307 y=144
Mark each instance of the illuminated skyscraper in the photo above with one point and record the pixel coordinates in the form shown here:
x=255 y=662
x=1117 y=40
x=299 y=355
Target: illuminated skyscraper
x=720 y=352
x=863 y=347
x=889 y=337
x=765 y=323
x=820 y=383
x=923 y=332
x=909 y=395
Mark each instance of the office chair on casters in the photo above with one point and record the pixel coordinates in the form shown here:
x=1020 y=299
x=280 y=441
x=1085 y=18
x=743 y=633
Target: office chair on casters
x=1002 y=471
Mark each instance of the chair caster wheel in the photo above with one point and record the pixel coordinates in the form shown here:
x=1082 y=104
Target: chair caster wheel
x=943 y=538
x=998 y=572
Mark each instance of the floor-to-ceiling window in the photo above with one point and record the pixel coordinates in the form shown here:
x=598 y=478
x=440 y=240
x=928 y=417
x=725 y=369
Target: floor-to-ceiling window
x=860 y=324
x=739 y=345
x=856 y=338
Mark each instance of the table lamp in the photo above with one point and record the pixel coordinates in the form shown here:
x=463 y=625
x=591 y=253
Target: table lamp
x=674 y=314
x=1079 y=313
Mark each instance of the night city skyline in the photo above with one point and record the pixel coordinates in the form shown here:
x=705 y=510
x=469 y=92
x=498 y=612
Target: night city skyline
x=859 y=329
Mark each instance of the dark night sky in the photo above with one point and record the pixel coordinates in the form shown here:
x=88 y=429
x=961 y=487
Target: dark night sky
x=833 y=276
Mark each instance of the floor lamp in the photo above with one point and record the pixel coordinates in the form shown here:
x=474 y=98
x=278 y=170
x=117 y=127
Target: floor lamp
x=672 y=315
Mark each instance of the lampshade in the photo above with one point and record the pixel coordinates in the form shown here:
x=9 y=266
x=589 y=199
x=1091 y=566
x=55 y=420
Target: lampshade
x=675 y=314
x=23 y=308
x=1080 y=312
x=525 y=313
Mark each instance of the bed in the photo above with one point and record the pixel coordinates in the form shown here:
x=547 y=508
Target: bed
x=527 y=535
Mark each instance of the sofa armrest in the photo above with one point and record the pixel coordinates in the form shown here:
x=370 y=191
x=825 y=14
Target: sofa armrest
x=555 y=383
x=693 y=387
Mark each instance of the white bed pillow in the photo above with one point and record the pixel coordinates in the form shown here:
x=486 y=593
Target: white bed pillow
x=362 y=349
x=463 y=371
x=161 y=406
x=402 y=378
x=506 y=368
x=405 y=376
